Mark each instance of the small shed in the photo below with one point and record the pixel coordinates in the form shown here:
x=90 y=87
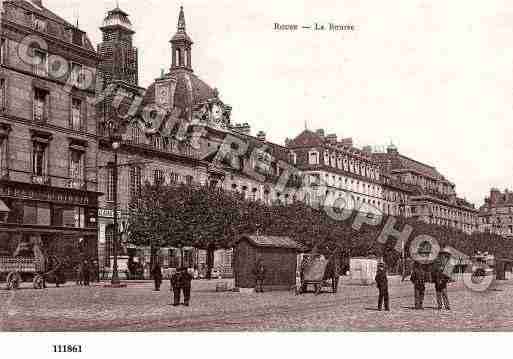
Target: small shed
x=278 y=254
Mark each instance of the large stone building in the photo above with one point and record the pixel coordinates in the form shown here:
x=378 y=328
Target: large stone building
x=496 y=215
x=430 y=196
x=48 y=139
x=148 y=153
x=337 y=169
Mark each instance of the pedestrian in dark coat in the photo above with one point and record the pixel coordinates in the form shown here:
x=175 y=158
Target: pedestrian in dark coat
x=86 y=272
x=175 y=287
x=79 y=270
x=441 y=281
x=259 y=273
x=185 y=284
x=418 y=277
x=156 y=273
x=382 y=284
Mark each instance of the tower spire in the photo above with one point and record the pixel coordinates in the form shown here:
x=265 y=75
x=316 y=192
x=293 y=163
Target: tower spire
x=181 y=45
x=181 y=20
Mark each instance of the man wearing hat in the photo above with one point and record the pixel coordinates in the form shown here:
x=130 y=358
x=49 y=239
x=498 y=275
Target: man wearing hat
x=418 y=278
x=441 y=280
x=382 y=284
x=185 y=279
x=175 y=287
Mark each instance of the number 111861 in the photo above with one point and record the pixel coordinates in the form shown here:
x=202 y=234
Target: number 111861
x=67 y=348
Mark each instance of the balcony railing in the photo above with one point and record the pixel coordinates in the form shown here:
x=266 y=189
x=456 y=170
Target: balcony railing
x=43 y=180
x=76 y=183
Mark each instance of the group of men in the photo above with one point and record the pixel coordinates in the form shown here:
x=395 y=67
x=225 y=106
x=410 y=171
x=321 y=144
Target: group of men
x=86 y=272
x=419 y=277
x=180 y=283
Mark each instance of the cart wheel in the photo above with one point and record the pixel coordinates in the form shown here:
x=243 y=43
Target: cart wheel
x=38 y=282
x=13 y=280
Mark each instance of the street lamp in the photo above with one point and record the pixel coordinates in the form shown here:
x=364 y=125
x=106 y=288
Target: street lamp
x=115 y=275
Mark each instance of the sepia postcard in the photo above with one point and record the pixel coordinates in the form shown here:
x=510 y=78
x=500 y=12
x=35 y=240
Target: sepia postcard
x=201 y=166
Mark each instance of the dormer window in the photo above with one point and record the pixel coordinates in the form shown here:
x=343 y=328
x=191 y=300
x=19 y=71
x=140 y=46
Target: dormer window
x=293 y=157
x=77 y=37
x=38 y=24
x=313 y=158
x=326 y=158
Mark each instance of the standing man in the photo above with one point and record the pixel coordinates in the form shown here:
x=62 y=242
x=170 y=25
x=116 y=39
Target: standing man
x=441 y=281
x=156 y=273
x=86 y=272
x=418 y=277
x=259 y=273
x=185 y=284
x=80 y=272
x=382 y=284
x=175 y=287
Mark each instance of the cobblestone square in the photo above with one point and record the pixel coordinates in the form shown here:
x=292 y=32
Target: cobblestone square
x=353 y=308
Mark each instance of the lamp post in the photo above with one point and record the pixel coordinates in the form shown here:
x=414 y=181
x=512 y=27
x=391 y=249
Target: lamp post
x=115 y=276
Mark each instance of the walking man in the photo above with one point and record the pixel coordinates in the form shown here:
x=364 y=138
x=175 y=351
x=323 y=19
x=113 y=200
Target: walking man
x=86 y=272
x=156 y=273
x=441 y=281
x=382 y=284
x=418 y=277
x=259 y=273
x=185 y=284
x=175 y=287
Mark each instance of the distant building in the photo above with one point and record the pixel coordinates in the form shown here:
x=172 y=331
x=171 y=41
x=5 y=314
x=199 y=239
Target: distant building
x=496 y=215
x=431 y=197
x=48 y=134
x=336 y=169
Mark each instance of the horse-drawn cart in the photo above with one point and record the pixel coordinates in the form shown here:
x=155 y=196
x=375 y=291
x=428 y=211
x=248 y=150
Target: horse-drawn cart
x=18 y=270
x=316 y=270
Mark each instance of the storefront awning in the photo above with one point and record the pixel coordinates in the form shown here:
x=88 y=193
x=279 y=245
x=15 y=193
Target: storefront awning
x=3 y=207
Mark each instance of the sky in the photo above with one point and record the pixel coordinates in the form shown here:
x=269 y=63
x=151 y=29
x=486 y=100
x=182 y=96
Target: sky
x=433 y=77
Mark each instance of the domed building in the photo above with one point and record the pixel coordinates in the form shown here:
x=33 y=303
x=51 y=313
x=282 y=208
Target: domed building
x=183 y=93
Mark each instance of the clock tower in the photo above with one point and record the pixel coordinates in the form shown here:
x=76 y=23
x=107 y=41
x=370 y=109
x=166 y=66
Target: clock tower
x=119 y=56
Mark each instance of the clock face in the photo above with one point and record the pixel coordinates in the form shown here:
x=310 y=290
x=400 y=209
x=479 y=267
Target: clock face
x=163 y=95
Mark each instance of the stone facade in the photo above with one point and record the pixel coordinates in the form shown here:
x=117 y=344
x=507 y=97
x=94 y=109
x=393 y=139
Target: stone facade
x=430 y=197
x=496 y=215
x=336 y=169
x=48 y=140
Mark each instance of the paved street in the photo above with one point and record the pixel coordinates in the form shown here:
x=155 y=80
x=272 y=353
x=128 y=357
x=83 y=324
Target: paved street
x=137 y=308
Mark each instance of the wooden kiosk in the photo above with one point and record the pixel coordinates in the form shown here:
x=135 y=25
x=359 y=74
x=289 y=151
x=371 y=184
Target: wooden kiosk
x=278 y=254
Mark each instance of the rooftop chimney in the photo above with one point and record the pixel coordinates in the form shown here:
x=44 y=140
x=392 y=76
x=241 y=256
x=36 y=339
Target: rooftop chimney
x=320 y=132
x=347 y=142
x=37 y=2
x=367 y=149
x=261 y=136
x=494 y=196
x=243 y=128
x=332 y=138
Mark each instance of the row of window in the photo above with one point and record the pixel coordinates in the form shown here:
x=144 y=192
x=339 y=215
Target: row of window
x=345 y=163
x=40 y=160
x=41 y=106
x=347 y=184
x=136 y=180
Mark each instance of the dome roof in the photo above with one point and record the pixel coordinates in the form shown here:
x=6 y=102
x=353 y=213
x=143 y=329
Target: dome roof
x=189 y=90
x=117 y=17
